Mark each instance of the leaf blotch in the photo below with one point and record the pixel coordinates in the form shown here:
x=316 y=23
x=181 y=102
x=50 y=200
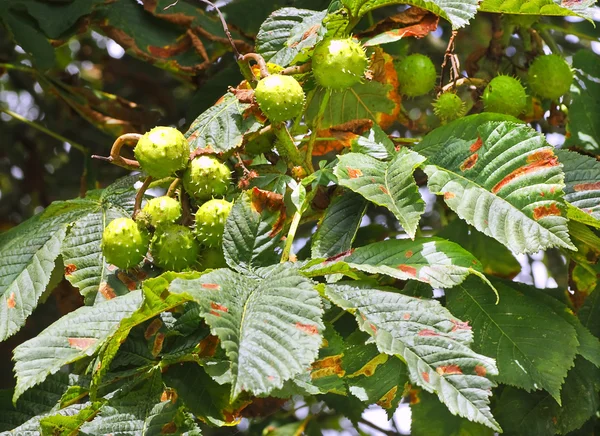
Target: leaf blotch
x=410 y=270
x=480 y=370
x=408 y=254
x=219 y=307
x=354 y=173
x=168 y=428
x=406 y=316
x=425 y=376
x=158 y=344
x=469 y=162
x=383 y=189
x=211 y=286
x=308 y=328
x=427 y=332
x=82 y=343
x=448 y=195
x=127 y=281
x=208 y=346
x=11 y=302
x=448 y=370
x=107 y=291
x=153 y=328
x=476 y=145
x=460 y=325
x=542 y=211
x=369 y=368
x=386 y=400
x=331 y=365
x=539 y=160
x=587 y=186
x=70 y=269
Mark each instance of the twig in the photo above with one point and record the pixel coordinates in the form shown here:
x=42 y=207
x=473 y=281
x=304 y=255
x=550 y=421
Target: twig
x=48 y=132
x=173 y=186
x=297 y=69
x=448 y=54
x=140 y=196
x=474 y=81
x=262 y=65
x=225 y=28
x=22 y=68
x=315 y=127
x=287 y=250
x=549 y=40
x=115 y=152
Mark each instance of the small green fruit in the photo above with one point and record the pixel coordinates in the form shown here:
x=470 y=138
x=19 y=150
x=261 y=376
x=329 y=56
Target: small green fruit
x=279 y=97
x=162 y=152
x=339 y=63
x=124 y=243
x=212 y=258
x=210 y=222
x=162 y=210
x=174 y=247
x=416 y=75
x=448 y=107
x=505 y=95
x=550 y=76
x=206 y=177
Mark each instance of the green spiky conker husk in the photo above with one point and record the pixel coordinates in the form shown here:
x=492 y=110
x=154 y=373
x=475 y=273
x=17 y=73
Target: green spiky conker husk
x=210 y=222
x=162 y=210
x=416 y=75
x=162 y=152
x=339 y=63
x=550 y=76
x=279 y=97
x=505 y=95
x=174 y=247
x=212 y=258
x=206 y=177
x=124 y=243
x=448 y=107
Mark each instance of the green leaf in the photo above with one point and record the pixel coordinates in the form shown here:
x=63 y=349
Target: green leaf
x=27 y=258
x=582 y=184
x=538 y=414
x=73 y=337
x=389 y=184
x=338 y=227
x=374 y=143
x=584 y=111
x=507 y=183
x=433 y=343
x=533 y=347
x=589 y=314
x=458 y=13
x=27 y=35
x=222 y=127
x=435 y=261
x=287 y=32
x=431 y=418
x=539 y=7
x=253 y=230
x=269 y=326
x=33 y=427
x=68 y=425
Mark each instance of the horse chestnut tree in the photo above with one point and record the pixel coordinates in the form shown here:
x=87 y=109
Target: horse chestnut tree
x=347 y=227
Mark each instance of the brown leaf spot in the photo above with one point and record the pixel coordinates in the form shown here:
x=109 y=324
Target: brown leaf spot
x=271 y=378
x=448 y=195
x=410 y=270
x=215 y=313
x=211 y=286
x=476 y=145
x=107 y=291
x=480 y=370
x=272 y=202
x=460 y=325
x=70 y=269
x=373 y=328
x=406 y=316
x=208 y=346
x=82 y=343
x=425 y=376
x=448 y=370
x=339 y=256
x=371 y=366
x=170 y=50
x=354 y=173
x=469 y=162
x=307 y=328
x=383 y=189
x=168 y=428
x=539 y=160
x=127 y=281
x=11 y=302
x=386 y=400
x=169 y=394
x=154 y=326
x=542 y=211
x=331 y=365
x=408 y=254
x=220 y=307
x=158 y=344
x=587 y=186
x=427 y=332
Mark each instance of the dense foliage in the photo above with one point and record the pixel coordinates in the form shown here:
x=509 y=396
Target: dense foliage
x=346 y=214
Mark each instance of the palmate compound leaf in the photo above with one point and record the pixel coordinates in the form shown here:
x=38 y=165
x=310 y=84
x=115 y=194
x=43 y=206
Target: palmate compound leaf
x=433 y=343
x=269 y=326
x=73 y=337
x=504 y=180
x=533 y=346
x=27 y=258
x=389 y=184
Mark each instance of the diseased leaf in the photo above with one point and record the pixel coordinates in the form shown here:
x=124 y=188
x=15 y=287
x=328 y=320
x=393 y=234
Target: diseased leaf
x=269 y=326
x=582 y=185
x=389 y=184
x=506 y=182
x=68 y=425
x=434 y=345
x=33 y=425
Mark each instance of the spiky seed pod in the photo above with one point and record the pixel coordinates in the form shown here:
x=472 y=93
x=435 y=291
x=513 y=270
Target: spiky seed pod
x=505 y=95
x=174 y=247
x=211 y=258
x=416 y=75
x=449 y=107
x=162 y=152
x=550 y=76
x=279 y=97
x=339 y=63
x=210 y=222
x=124 y=243
x=206 y=177
x=161 y=210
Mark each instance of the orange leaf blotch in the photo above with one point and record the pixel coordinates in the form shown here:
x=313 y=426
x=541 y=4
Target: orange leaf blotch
x=158 y=344
x=408 y=254
x=211 y=286
x=373 y=328
x=331 y=365
x=168 y=428
x=425 y=376
x=382 y=67
x=480 y=370
x=542 y=211
x=82 y=343
x=169 y=395
x=215 y=313
x=386 y=400
x=448 y=195
x=220 y=307
x=410 y=270
x=539 y=160
x=383 y=189
x=476 y=145
x=371 y=366
x=127 y=281
x=11 y=302
x=460 y=325
x=272 y=202
x=107 y=291
x=587 y=186
x=153 y=328
x=354 y=173
x=469 y=162
x=208 y=346
x=339 y=256
x=448 y=370
x=406 y=316
x=307 y=328
x=427 y=332
x=70 y=269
